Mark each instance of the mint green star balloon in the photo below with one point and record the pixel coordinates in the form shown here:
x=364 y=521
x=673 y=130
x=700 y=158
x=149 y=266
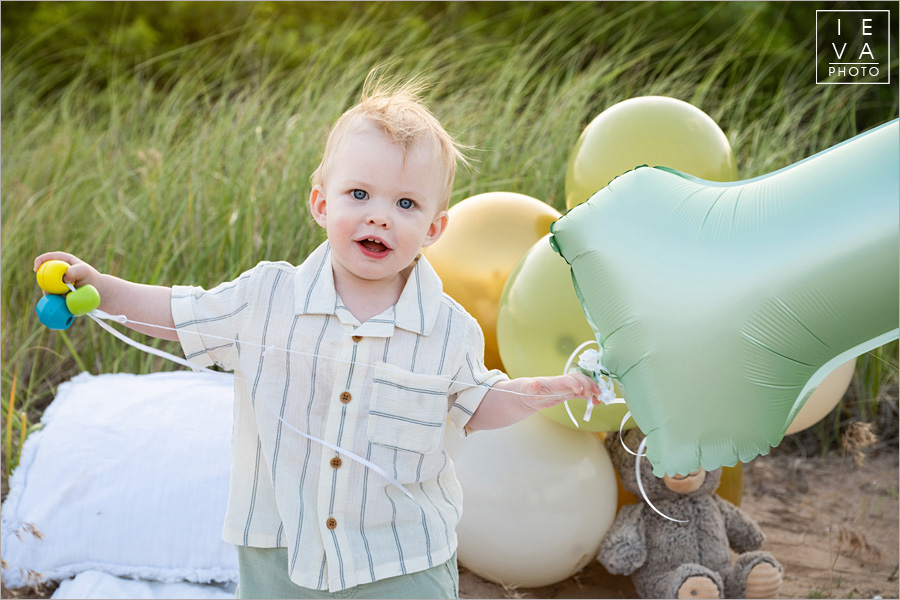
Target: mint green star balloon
x=721 y=306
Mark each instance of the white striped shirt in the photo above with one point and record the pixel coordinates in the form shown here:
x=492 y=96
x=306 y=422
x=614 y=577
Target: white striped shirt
x=383 y=389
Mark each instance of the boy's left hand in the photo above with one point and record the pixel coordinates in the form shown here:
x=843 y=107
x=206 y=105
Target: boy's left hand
x=550 y=391
x=529 y=394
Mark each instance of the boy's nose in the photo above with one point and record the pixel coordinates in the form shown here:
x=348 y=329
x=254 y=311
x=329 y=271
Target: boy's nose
x=378 y=218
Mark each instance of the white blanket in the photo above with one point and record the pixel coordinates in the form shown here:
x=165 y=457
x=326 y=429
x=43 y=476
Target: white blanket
x=128 y=477
x=100 y=586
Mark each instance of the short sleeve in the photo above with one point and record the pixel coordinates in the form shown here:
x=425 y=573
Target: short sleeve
x=472 y=380
x=208 y=323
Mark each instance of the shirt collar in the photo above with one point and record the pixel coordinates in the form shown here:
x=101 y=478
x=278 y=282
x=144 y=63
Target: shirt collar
x=415 y=311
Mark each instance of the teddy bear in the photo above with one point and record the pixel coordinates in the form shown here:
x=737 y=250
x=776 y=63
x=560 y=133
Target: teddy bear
x=693 y=559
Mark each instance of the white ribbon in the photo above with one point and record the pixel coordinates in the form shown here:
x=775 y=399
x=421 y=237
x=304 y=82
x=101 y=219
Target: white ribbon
x=640 y=453
x=357 y=458
x=637 y=467
x=98 y=314
x=637 y=472
x=590 y=405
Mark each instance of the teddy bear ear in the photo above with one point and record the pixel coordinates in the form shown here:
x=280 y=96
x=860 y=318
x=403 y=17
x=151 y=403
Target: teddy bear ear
x=616 y=444
x=633 y=438
x=617 y=453
x=612 y=441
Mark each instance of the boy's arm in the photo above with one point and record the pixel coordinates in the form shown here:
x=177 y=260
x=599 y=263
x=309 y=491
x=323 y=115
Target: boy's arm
x=500 y=408
x=145 y=303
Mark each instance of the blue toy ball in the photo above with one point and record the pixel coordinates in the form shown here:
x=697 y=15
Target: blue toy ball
x=53 y=312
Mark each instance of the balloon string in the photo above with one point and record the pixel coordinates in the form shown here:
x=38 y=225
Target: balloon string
x=98 y=314
x=590 y=405
x=148 y=349
x=637 y=472
x=622 y=439
x=640 y=453
x=366 y=463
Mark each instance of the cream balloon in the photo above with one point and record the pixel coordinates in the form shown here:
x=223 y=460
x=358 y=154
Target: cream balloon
x=486 y=237
x=539 y=497
x=825 y=398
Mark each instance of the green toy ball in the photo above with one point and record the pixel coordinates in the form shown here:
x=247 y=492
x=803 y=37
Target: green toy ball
x=650 y=130
x=83 y=300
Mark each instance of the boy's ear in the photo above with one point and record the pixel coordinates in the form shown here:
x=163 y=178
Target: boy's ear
x=317 y=205
x=437 y=228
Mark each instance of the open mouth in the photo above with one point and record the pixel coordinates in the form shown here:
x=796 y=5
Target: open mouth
x=373 y=247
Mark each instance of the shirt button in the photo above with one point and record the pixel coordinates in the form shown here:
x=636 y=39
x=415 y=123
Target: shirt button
x=331 y=523
x=336 y=462
x=346 y=397
x=357 y=338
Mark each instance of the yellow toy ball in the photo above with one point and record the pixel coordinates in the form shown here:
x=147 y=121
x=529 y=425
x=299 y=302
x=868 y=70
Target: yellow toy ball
x=540 y=324
x=486 y=237
x=650 y=130
x=50 y=276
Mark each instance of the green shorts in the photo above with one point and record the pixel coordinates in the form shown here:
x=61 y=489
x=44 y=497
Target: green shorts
x=263 y=573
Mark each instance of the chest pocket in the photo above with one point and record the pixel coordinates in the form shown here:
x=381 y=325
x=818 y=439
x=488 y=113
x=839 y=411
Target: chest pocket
x=408 y=411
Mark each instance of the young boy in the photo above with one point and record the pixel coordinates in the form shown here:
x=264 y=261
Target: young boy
x=359 y=347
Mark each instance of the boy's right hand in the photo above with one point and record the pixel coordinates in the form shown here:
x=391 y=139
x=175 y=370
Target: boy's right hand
x=149 y=307
x=79 y=273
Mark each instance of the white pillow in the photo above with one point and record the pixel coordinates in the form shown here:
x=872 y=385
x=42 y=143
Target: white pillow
x=100 y=586
x=129 y=476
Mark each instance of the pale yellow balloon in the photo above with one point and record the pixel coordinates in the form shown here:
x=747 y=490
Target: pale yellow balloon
x=540 y=324
x=824 y=398
x=649 y=130
x=486 y=237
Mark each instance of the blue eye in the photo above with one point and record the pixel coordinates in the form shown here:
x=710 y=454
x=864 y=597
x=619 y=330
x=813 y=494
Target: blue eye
x=360 y=194
x=405 y=203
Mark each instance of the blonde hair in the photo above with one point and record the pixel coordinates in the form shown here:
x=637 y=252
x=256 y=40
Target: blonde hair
x=396 y=109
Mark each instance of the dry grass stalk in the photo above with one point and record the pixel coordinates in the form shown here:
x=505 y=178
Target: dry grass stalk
x=857 y=438
x=29 y=528
x=511 y=591
x=857 y=542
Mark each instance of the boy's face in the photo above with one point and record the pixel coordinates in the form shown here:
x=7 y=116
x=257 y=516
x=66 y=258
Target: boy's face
x=379 y=210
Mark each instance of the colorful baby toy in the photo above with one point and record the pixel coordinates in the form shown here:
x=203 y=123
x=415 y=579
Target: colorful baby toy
x=58 y=309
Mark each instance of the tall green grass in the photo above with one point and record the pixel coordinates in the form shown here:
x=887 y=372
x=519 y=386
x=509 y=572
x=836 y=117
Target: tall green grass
x=192 y=166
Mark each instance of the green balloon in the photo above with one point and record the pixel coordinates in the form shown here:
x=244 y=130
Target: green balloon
x=540 y=323
x=721 y=306
x=649 y=130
